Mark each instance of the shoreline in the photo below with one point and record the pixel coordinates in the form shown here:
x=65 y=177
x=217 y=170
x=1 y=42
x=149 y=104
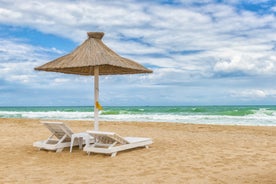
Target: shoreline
x=149 y=122
x=181 y=153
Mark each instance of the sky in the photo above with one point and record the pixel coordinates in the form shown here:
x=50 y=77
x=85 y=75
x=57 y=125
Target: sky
x=204 y=52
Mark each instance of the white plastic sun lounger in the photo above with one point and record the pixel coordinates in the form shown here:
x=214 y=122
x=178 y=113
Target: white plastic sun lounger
x=111 y=143
x=60 y=138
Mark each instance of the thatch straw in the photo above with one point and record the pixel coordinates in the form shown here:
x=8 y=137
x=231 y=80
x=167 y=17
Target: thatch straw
x=93 y=52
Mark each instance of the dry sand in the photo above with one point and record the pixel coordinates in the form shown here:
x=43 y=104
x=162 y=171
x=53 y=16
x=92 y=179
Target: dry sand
x=181 y=153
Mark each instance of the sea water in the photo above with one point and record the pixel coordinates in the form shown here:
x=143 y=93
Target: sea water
x=221 y=115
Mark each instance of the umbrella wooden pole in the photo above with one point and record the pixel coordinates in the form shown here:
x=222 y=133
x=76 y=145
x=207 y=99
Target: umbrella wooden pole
x=96 y=97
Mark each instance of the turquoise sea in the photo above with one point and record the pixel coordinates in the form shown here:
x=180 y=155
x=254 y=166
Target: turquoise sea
x=226 y=115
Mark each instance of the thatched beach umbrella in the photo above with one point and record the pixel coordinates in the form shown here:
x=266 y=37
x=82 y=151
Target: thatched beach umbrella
x=94 y=58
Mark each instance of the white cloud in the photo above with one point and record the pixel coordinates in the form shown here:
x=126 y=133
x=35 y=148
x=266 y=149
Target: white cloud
x=253 y=93
x=247 y=65
x=18 y=72
x=18 y=51
x=19 y=59
x=163 y=28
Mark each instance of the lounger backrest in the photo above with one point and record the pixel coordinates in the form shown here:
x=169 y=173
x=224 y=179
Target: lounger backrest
x=107 y=137
x=59 y=129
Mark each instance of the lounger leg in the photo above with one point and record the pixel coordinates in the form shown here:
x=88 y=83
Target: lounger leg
x=114 y=154
x=59 y=142
x=80 y=142
x=147 y=147
x=59 y=150
x=72 y=143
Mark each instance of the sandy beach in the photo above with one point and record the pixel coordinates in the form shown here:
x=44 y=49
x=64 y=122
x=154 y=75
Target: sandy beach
x=181 y=153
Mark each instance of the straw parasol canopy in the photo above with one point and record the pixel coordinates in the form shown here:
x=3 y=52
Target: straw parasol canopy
x=94 y=58
x=93 y=52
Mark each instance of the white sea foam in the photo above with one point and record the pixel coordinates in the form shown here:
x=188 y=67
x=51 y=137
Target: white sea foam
x=262 y=117
x=47 y=115
x=196 y=119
